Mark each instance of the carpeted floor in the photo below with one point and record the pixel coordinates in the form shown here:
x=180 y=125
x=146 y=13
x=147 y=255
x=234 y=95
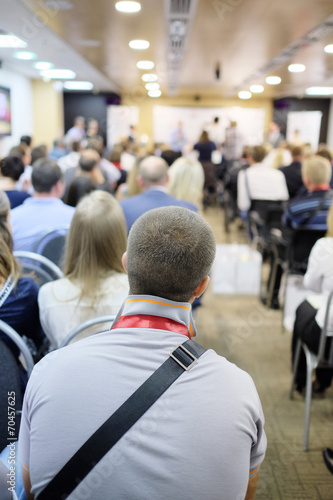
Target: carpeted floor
x=249 y=335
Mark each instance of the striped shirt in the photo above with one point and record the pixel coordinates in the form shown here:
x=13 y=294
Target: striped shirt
x=300 y=208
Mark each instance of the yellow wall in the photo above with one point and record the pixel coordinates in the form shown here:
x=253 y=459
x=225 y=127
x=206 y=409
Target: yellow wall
x=145 y=105
x=48 y=113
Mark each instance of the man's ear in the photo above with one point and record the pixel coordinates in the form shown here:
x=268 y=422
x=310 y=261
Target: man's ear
x=200 y=289
x=140 y=181
x=123 y=260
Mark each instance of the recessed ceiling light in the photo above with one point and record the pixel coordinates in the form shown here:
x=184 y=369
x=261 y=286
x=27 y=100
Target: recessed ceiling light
x=296 y=68
x=145 y=64
x=149 y=77
x=319 y=91
x=78 y=85
x=329 y=49
x=152 y=86
x=154 y=93
x=25 y=56
x=128 y=6
x=58 y=73
x=43 y=65
x=257 y=89
x=273 y=80
x=139 y=44
x=11 y=41
x=58 y=4
x=244 y=94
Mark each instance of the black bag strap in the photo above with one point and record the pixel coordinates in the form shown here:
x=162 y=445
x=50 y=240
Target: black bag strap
x=314 y=212
x=181 y=359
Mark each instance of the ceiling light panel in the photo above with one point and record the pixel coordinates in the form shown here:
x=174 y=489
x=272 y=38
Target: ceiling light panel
x=43 y=65
x=244 y=94
x=12 y=42
x=145 y=64
x=319 y=91
x=273 y=80
x=296 y=68
x=154 y=93
x=139 y=44
x=149 y=77
x=75 y=85
x=58 y=73
x=152 y=86
x=128 y=7
x=257 y=89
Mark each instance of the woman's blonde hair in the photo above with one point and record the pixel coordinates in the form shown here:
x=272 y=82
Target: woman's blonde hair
x=8 y=264
x=329 y=219
x=186 y=180
x=96 y=241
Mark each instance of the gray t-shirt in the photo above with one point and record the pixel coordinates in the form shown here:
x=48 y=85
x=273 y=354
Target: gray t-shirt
x=201 y=439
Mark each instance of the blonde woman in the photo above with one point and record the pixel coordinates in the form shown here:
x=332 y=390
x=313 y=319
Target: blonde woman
x=18 y=295
x=94 y=282
x=186 y=180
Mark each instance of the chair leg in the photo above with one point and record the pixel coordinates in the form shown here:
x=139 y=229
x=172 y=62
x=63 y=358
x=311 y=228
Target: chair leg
x=308 y=397
x=296 y=361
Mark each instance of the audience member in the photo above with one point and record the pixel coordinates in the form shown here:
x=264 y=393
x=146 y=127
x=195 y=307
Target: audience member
x=205 y=147
x=26 y=139
x=45 y=210
x=71 y=160
x=11 y=169
x=58 y=151
x=310 y=209
x=210 y=421
x=153 y=179
x=77 y=132
x=131 y=187
x=24 y=152
x=259 y=182
x=37 y=153
x=309 y=318
x=92 y=130
x=293 y=173
x=186 y=180
x=89 y=166
x=113 y=174
x=94 y=282
x=18 y=295
x=170 y=156
x=79 y=187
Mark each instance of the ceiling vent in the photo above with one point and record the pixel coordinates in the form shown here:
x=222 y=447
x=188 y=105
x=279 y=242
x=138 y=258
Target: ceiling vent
x=179 y=16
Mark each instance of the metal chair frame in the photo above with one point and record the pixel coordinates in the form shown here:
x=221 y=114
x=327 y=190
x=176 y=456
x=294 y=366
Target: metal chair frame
x=35 y=265
x=313 y=361
x=85 y=326
x=19 y=342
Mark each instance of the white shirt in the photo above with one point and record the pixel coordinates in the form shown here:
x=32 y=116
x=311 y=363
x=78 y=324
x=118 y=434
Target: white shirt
x=60 y=309
x=201 y=439
x=319 y=275
x=263 y=183
x=69 y=161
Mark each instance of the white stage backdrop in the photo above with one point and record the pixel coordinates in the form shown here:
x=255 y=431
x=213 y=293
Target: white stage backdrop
x=119 y=119
x=307 y=123
x=251 y=122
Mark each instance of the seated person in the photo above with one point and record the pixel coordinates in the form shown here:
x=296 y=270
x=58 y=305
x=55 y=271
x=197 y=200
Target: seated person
x=259 y=182
x=79 y=187
x=18 y=295
x=45 y=210
x=310 y=209
x=186 y=180
x=11 y=169
x=204 y=437
x=309 y=319
x=94 y=282
x=293 y=173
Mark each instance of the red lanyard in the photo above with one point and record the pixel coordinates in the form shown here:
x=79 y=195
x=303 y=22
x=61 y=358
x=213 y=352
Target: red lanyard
x=155 y=322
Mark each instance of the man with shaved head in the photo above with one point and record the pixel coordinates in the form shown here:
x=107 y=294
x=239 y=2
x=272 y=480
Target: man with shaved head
x=153 y=178
x=202 y=438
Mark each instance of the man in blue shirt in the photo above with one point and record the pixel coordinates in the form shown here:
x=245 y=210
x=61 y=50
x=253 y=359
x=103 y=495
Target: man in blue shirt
x=45 y=210
x=153 y=179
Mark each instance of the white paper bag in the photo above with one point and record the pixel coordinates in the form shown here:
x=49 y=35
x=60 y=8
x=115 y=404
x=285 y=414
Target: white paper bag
x=236 y=270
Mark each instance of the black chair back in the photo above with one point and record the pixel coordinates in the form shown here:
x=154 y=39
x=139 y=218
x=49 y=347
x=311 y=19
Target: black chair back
x=299 y=248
